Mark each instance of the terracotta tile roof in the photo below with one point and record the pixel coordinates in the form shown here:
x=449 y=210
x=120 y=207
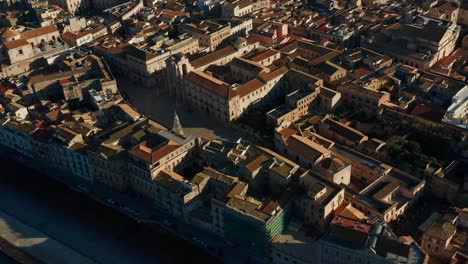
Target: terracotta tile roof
x=212 y=84
x=151 y=155
x=441 y=230
x=362 y=72
x=287 y=132
x=237 y=189
x=34 y=33
x=306 y=148
x=9 y=33
x=428 y=112
x=360 y=91
x=325 y=142
x=352 y=224
x=344 y=130
x=265 y=55
x=53 y=115
x=266 y=77
x=257 y=163
x=98 y=28
x=214 y=56
x=248 y=65
x=249 y=87
x=169 y=180
x=75 y=35
x=276 y=155
x=270 y=207
x=16 y=44
x=128 y=110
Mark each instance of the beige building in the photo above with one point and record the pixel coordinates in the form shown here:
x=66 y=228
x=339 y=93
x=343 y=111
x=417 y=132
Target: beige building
x=47 y=16
x=329 y=99
x=225 y=55
x=310 y=52
x=25 y=45
x=109 y=166
x=358 y=97
x=365 y=170
x=267 y=84
x=341 y=133
x=144 y=64
x=463 y=13
x=126 y=10
x=210 y=34
x=445 y=10
x=77 y=38
x=163 y=151
x=218 y=204
x=437 y=239
x=334 y=169
x=390 y=196
x=239 y=8
x=322 y=197
x=108 y=161
x=267 y=57
x=228 y=102
x=298 y=104
x=18 y=50
x=421 y=44
x=328 y=71
x=104 y=4
x=307 y=151
x=72 y=6
x=176 y=195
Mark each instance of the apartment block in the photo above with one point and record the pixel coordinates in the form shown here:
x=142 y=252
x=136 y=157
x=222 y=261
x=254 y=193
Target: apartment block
x=320 y=199
x=420 y=43
x=164 y=150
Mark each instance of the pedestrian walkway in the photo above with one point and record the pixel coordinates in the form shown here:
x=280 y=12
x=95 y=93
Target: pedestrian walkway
x=36 y=244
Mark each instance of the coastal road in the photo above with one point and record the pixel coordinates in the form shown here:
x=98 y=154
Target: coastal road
x=82 y=224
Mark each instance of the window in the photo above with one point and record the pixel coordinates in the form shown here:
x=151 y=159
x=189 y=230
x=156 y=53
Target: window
x=20 y=51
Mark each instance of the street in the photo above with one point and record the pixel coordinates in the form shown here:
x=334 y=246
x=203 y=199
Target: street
x=95 y=231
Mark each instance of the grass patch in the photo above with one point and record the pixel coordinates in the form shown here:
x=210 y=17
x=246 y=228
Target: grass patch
x=408 y=156
x=255 y=121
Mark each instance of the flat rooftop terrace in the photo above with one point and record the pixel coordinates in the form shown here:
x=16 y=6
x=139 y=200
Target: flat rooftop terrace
x=280 y=111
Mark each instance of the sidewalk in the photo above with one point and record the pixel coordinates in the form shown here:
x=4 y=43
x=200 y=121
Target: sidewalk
x=13 y=253
x=36 y=244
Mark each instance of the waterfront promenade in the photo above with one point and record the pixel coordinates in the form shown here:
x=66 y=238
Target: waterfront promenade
x=93 y=230
x=36 y=244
